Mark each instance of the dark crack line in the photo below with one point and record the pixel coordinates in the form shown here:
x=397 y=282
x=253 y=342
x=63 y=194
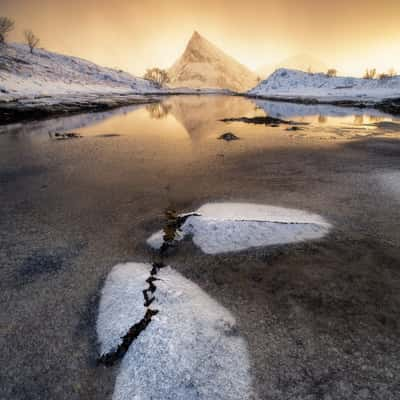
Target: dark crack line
x=173 y=224
x=109 y=359
x=148 y=293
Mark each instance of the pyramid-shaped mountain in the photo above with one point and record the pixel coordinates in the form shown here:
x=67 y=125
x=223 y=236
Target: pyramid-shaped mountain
x=203 y=65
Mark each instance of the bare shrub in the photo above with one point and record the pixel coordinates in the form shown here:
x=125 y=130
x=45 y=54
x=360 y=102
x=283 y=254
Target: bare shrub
x=387 y=75
x=370 y=73
x=6 y=26
x=157 y=75
x=332 y=72
x=383 y=76
x=31 y=40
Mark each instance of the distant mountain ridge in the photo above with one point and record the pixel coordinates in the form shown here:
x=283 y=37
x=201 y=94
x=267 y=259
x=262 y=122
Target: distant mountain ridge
x=301 y=62
x=204 y=65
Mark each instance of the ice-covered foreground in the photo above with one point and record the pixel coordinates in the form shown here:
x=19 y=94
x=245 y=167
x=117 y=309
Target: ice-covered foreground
x=390 y=181
x=190 y=350
x=292 y=84
x=25 y=75
x=227 y=227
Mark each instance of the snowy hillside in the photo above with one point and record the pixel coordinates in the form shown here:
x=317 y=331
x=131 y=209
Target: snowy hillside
x=301 y=62
x=25 y=75
x=203 y=65
x=292 y=84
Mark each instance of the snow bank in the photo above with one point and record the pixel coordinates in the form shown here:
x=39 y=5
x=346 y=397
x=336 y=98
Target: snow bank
x=286 y=83
x=227 y=227
x=190 y=350
x=50 y=74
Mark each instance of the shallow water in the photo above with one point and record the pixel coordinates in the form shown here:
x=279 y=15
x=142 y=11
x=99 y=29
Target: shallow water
x=318 y=317
x=182 y=131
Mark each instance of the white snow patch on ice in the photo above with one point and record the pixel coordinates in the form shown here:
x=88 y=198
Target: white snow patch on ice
x=228 y=227
x=190 y=350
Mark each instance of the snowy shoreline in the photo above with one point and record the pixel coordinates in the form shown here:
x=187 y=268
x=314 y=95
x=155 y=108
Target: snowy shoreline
x=39 y=108
x=43 y=108
x=389 y=105
x=47 y=85
x=307 y=88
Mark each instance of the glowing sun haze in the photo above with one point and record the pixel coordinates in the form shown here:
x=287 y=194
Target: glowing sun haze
x=134 y=35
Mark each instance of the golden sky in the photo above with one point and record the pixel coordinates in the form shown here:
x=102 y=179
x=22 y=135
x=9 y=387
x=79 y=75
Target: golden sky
x=350 y=35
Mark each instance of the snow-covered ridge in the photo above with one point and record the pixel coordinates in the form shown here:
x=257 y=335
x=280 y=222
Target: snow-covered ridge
x=292 y=84
x=301 y=62
x=44 y=73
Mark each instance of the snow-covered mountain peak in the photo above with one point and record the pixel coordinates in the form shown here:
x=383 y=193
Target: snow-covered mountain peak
x=199 y=49
x=204 y=65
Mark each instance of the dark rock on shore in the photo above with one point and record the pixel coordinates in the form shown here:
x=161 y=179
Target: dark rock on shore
x=391 y=106
x=228 y=137
x=263 y=120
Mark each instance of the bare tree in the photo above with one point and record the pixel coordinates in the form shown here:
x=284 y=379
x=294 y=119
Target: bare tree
x=157 y=75
x=392 y=72
x=370 y=73
x=6 y=26
x=31 y=40
x=332 y=72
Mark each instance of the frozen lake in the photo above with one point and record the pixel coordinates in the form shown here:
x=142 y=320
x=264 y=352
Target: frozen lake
x=319 y=316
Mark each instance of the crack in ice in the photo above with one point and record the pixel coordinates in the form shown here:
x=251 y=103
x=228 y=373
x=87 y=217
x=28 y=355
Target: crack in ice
x=225 y=227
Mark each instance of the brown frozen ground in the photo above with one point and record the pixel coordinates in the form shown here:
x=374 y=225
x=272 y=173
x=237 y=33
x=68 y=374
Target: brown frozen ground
x=321 y=318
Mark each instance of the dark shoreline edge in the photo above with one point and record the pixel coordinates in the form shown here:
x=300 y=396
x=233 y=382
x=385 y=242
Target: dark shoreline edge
x=25 y=110
x=390 y=106
x=34 y=110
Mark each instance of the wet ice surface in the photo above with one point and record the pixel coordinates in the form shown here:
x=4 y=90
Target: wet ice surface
x=228 y=227
x=54 y=193
x=190 y=350
x=390 y=181
x=199 y=118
